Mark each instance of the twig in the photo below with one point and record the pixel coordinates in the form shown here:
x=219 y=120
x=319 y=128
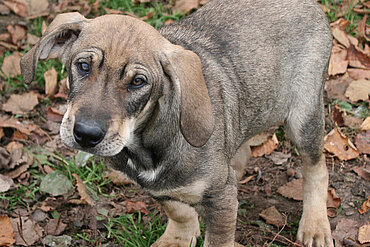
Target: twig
x=278 y=234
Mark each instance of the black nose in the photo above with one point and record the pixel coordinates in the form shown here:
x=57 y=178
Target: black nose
x=88 y=134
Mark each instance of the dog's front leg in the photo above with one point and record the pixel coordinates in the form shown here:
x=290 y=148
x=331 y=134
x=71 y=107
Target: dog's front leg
x=219 y=211
x=314 y=227
x=183 y=226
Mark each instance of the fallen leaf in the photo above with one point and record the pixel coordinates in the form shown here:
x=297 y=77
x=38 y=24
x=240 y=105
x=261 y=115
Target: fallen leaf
x=37 y=7
x=365 y=124
x=26 y=127
x=336 y=88
x=339 y=145
x=185 y=6
x=266 y=148
x=32 y=39
x=21 y=104
x=247 y=179
x=333 y=203
x=346 y=228
x=55 y=227
x=118 y=178
x=337 y=115
x=82 y=191
x=4 y=10
x=6 y=231
x=279 y=157
x=358 y=74
x=56 y=184
x=338 y=61
x=26 y=231
x=133 y=207
x=43 y=27
x=11 y=65
x=5 y=184
x=364 y=234
x=51 y=82
x=113 y=11
x=54 y=115
x=357 y=58
x=363 y=172
x=19 y=7
x=292 y=189
x=17 y=32
x=363 y=142
x=365 y=206
x=273 y=216
x=352 y=122
x=358 y=90
x=169 y=21
x=341 y=36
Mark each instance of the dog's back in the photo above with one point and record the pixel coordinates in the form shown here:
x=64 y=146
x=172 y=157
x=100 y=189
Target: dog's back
x=257 y=51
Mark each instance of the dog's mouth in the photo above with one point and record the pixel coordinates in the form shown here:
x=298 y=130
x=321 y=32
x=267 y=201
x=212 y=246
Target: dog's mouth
x=92 y=137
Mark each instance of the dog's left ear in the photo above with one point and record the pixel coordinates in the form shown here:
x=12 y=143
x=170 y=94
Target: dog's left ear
x=56 y=42
x=184 y=69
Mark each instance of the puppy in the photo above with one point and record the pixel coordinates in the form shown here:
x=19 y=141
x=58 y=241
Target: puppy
x=173 y=109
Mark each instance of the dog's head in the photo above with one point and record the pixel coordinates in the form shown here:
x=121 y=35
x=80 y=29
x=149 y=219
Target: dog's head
x=118 y=68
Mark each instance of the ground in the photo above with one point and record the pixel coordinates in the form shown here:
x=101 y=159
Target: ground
x=49 y=193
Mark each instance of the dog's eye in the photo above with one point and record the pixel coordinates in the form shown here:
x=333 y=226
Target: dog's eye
x=84 y=67
x=137 y=83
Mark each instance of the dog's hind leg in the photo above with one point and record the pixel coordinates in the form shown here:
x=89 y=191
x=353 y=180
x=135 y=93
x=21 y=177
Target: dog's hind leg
x=183 y=226
x=305 y=126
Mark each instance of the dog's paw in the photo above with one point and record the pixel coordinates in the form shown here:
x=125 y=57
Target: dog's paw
x=315 y=231
x=175 y=241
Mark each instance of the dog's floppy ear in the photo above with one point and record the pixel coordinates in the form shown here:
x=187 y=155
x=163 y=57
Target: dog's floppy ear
x=56 y=42
x=184 y=69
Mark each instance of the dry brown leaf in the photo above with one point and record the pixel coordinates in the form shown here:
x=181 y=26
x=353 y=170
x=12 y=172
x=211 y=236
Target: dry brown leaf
x=363 y=142
x=185 y=6
x=6 y=231
x=5 y=184
x=340 y=145
x=17 y=33
x=133 y=207
x=118 y=178
x=26 y=127
x=21 y=104
x=32 y=39
x=346 y=228
x=337 y=115
x=4 y=10
x=43 y=27
x=55 y=227
x=365 y=206
x=352 y=122
x=357 y=74
x=19 y=7
x=273 y=216
x=37 y=7
x=336 y=88
x=358 y=90
x=12 y=146
x=247 y=179
x=28 y=234
x=361 y=28
x=364 y=234
x=4 y=37
x=363 y=172
x=338 y=61
x=113 y=11
x=266 y=148
x=357 y=58
x=333 y=203
x=292 y=189
x=365 y=124
x=11 y=65
x=51 y=82
x=341 y=36
x=82 y=191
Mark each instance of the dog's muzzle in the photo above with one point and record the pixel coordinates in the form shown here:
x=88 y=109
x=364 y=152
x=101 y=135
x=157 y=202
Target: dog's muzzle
x=88 y=134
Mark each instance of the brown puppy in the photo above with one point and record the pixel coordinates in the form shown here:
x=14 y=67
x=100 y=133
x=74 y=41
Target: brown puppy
x=170 y=109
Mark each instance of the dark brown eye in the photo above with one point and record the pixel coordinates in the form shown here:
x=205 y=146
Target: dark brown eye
x=137 y=83
x=84 y=67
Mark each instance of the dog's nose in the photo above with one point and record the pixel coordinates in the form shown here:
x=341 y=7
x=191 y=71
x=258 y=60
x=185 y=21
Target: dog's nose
x=88 y=134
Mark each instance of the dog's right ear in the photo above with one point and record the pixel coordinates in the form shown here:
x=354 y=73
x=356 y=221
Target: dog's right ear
x=55 y=43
